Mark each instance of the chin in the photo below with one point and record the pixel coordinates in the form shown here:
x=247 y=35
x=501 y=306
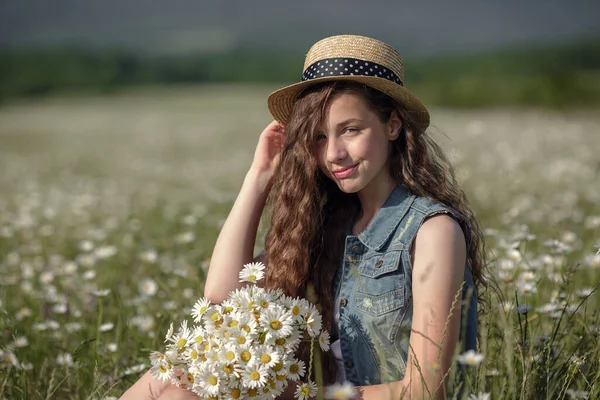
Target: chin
x=349 y=188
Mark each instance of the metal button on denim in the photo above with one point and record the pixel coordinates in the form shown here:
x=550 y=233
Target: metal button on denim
x=378 y=263
x=343 y=302
x=349 y=364
x=356 y=249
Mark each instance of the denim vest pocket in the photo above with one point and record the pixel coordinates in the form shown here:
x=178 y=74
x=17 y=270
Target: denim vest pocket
x=380 y=288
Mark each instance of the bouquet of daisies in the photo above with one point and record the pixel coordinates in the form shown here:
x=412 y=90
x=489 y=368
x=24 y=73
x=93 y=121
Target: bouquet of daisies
x=244 y=347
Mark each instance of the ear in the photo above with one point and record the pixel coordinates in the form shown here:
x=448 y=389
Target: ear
x=395 y=126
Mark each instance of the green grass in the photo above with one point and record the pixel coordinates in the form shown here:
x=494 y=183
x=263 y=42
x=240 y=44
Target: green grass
x=144 y=170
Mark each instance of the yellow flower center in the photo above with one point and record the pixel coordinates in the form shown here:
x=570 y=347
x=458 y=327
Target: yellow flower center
x=194 y=354
x=252 y=278
x=245 y=356
x=199 y=339
x=212 y=380
x=241 y=339
x=305 y=391
x=281 y=377
x=294 y=368
x=277 y=367
x=296 y=310
x=275 y=324
x=162 y=369
x=264 y=304
x=252 y=392
x=181 y=342
x=190 y=378
x=280 y=341
x=230 y=355
x=228 y=368
x=254 y=375
x=233 y=323
x=265 y=358
x=246 y=328
x=215 y=316
x=235 y=393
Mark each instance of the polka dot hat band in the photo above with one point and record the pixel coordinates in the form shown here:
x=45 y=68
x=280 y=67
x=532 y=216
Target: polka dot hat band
x=355 y=58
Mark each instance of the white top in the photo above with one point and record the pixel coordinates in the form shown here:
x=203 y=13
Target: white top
x=336 y=348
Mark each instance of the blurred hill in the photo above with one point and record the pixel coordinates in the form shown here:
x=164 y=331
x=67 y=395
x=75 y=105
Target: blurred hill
x=425 y=27
x=563 y=75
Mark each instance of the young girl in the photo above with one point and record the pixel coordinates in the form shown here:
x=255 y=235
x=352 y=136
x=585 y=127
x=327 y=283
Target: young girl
x=366 y=210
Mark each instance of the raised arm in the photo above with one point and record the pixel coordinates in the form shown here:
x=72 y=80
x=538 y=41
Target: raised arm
x=235 y=244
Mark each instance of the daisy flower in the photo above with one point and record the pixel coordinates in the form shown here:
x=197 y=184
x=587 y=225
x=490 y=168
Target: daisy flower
x=313 y=321
x=252 y=272
x=471 y=357
x=209 y=379
x=200 y=308
x=277 y=321
x=163 y=372
x=324 y=341
x=294 y=369
x=255 y=375
x=306 y=391
x=267 y=355
x=340 y=391
x=298 y=307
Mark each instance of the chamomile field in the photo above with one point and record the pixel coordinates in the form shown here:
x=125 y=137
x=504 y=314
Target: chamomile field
x=110 y=207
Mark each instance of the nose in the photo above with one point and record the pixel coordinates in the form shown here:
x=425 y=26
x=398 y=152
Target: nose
x=336 y=151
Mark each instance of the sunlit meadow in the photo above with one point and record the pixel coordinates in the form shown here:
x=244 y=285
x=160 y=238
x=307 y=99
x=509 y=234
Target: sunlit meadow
x=110 y=207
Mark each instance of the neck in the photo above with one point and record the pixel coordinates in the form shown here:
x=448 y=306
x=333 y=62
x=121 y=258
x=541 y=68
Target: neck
x=373 y=196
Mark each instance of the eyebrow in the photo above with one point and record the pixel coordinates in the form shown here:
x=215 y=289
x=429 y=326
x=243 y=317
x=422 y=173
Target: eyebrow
x=348 y=121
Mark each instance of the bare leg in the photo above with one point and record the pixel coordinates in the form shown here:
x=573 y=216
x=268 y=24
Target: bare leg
x=150 y=388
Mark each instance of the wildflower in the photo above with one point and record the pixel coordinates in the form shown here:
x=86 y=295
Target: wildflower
x=524 y=308
x=147 y=287
x=21 y=341
x=252 y=272
x=105 y=252
x=185 y=238
x=65 y=359
x=324 y=341
x=313 y=321
x=106 y=327
x=149 y=256
x=255 y=375
x=340 y=391
x=209 y=379
x=101 y=292
x=86 y=246
x=507 y=306
x=89 y=275
x=577 y=394
x=480 y=396
x=527 y=289
x=201 y=307
x=267 y=355
x=59 y=308
x=295 y=369
x=112 y=347
x=584 y=292
x=306 y=390
x=161 y=371
x=23 y=313
x=277 y=321
x=471 y=357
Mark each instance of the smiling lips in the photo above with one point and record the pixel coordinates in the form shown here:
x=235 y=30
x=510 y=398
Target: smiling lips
x=341 y=173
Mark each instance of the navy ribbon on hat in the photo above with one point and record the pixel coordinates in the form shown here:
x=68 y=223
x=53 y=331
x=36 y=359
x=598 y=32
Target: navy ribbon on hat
x=344 y=66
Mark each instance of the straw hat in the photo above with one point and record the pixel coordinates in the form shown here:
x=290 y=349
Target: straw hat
x=355 y=58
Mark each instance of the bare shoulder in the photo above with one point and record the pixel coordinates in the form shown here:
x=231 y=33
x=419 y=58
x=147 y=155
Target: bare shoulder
x=440 y=244
x=441 y=229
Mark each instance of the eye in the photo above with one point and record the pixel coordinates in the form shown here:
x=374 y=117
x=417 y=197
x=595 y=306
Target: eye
x=350 y=130
x=320 y=136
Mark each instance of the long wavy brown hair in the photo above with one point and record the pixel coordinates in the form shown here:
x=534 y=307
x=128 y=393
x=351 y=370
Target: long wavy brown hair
x=311 y=215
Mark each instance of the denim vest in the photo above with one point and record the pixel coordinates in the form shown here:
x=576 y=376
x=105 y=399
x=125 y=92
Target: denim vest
x=373 y=287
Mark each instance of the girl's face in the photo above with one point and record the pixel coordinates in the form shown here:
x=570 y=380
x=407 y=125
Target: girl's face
x=352 y=146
